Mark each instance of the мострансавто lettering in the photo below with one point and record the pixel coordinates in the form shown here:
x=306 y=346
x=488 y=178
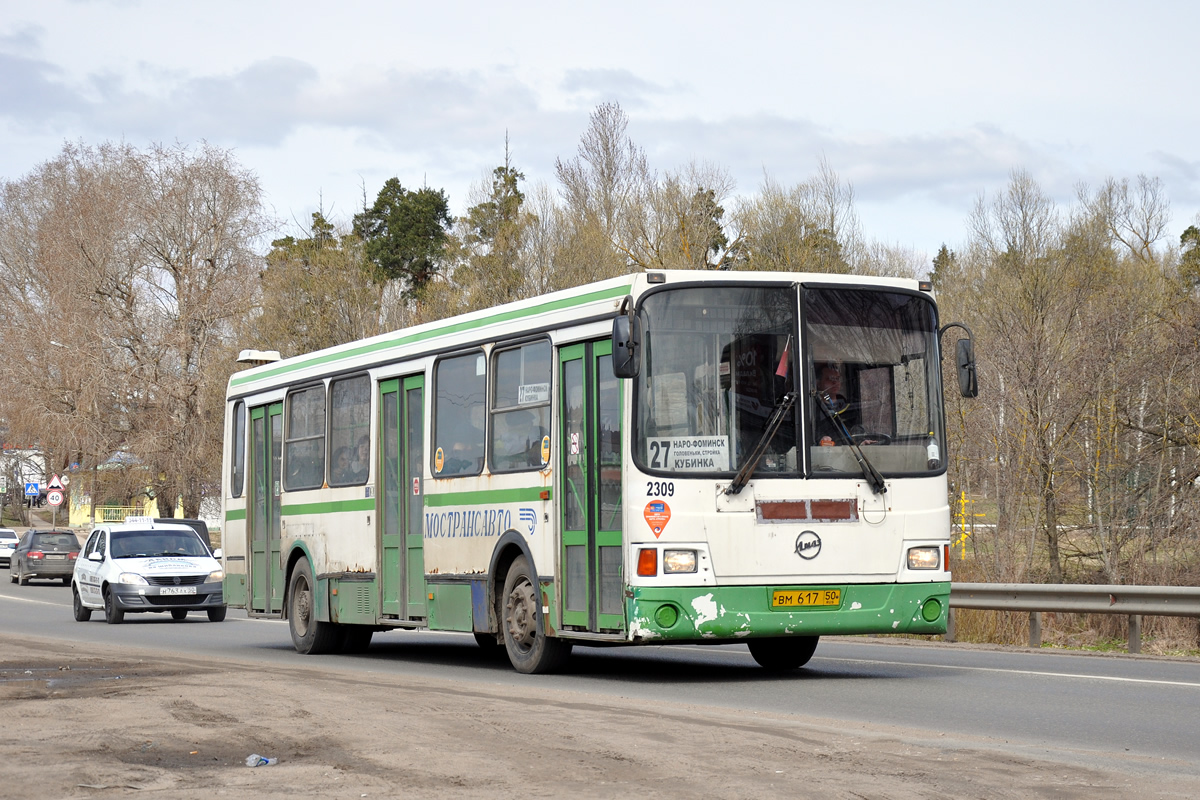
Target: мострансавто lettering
x=465 y=524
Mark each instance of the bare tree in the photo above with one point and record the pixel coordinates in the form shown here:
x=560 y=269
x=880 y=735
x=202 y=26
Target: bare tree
x=153 y=253
x=811 y=227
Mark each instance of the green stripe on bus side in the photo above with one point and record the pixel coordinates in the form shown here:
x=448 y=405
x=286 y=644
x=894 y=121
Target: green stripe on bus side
x=458 y=327
x=235 y=514
x=492 y=497
x=367 y=504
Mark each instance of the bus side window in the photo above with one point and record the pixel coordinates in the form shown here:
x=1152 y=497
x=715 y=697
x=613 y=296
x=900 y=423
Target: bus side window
x=520 y=415
x=349 y=424
x=304 y=454
x=459 y=415
x=237 y=478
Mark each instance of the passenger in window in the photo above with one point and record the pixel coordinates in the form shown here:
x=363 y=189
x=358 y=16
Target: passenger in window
x=360 y=465
x=520 y=440
x=341 y=473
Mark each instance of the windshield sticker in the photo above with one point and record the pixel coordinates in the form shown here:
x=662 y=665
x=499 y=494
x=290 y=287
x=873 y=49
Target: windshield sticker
x=691 y=453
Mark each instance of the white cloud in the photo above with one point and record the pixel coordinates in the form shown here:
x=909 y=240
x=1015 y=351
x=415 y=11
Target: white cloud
x=923 y=110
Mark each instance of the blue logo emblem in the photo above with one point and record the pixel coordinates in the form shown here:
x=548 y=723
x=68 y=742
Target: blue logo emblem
x=529 y=517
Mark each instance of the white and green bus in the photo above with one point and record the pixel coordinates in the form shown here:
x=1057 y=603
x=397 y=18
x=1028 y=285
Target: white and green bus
x=666 y=457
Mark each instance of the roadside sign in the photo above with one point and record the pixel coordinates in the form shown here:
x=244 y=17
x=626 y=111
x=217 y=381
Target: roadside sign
x=54 y=497
x=31 y=489
x=54 y=483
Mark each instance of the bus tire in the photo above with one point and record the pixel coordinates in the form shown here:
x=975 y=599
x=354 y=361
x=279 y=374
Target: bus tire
x=786 y=653
x=530 y=650
x=356 y=638
x=309 y=635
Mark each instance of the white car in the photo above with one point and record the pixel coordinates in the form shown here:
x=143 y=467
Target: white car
x=142 y=566
x=8 y=543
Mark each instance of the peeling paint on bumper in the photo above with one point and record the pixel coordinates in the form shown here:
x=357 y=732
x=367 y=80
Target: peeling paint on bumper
x=714 y=613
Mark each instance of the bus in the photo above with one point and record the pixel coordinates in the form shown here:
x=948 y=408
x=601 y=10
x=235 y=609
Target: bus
x=665 y=457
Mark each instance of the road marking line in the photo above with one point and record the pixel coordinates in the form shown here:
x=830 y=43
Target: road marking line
x=30 y=600
x=1018 y=672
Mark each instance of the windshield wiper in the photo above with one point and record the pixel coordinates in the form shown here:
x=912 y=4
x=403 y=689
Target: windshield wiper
x=868 y=469
x=760 y=447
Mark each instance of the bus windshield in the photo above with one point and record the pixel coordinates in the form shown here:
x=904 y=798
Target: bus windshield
x=717 y=360
x=872 y=362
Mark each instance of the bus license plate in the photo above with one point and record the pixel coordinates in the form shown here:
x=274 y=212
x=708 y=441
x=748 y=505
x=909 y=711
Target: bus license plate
x=177 y=590
x=805 y=598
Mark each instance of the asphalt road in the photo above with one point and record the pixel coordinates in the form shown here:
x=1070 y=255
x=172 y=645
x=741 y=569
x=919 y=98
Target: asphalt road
x=1081 y=708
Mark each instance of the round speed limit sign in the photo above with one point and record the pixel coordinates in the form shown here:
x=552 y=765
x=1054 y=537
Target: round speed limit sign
x=54 y=497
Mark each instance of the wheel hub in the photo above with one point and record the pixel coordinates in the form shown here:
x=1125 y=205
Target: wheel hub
x=522 y=614
x=302 y=609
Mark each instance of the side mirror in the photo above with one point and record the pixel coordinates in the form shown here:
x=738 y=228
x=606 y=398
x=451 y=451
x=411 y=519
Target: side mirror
x=217 y=554
x=94 y=556
x=968 y=381
x=626 y=341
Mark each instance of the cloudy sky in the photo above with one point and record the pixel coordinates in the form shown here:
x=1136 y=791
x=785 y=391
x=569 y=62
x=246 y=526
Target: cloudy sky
x=922 y=106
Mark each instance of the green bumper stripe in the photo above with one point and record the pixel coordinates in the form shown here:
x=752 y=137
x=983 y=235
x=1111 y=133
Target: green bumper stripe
x=739 y=612
x=493 y=497
x=366 y=504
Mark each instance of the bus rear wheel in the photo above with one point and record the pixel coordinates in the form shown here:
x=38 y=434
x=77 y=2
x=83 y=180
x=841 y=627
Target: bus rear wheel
x=530 y=650
x=310 y=636
x=783 y=654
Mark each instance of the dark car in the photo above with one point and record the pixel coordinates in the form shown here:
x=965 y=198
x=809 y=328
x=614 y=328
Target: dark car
x=44 y=554
x=198 y=525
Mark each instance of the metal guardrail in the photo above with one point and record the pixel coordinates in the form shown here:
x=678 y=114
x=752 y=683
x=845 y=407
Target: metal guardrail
x=1034 y=598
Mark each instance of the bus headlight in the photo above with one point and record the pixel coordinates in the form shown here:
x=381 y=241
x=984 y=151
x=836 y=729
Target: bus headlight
x=923 y=558
x=679 y=561
x=132 y=578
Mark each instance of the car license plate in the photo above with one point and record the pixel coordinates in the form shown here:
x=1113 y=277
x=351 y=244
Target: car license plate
x=52 y=557
x=177 y=590
x=805 y=598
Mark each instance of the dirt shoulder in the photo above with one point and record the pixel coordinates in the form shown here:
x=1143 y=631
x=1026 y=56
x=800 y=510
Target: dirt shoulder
x=98 y=722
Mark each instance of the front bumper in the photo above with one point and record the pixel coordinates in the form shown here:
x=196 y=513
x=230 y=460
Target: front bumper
x=135 y=598
x=732 y=613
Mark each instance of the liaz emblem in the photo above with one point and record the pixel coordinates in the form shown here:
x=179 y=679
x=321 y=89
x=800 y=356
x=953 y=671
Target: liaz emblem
x=808 y=545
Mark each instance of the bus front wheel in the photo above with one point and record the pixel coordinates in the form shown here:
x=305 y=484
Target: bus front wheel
x=530 y=650
x=783 y=654
x=309 y=635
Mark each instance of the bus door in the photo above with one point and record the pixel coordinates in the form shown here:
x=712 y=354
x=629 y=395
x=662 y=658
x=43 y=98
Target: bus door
x=266 y=573
x=593 y=584
x=401 y=449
